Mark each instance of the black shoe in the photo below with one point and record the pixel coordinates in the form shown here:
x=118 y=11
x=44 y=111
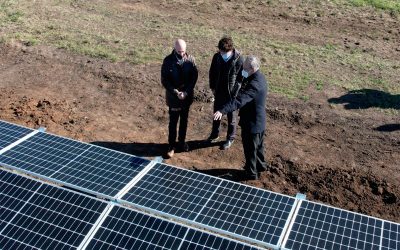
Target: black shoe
x=212 y=138
x=170 y=153
x=263 y=168
x=227 y=144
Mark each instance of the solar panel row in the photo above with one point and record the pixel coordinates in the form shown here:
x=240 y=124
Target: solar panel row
x=222 y=206
x=36 y=215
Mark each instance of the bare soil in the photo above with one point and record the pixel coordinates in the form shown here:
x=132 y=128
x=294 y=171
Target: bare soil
x=334 y=148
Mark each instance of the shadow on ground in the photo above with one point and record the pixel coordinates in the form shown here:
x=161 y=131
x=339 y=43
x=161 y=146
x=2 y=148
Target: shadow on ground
x=135 y=148
x=143 y=149
x=388 y=128
x=367 y=98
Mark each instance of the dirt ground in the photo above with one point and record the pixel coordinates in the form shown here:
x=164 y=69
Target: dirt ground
x=335 y=148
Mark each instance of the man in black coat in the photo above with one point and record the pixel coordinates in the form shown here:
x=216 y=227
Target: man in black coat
x=225 y=67
x=178 y=76
x=251 y=102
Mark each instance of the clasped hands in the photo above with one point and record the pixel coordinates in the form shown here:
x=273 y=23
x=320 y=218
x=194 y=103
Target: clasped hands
x=181 y=94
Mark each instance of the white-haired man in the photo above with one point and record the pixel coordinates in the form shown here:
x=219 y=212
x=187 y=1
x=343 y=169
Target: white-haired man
x=251 y=101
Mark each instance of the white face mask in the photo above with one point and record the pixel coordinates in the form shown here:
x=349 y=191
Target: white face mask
x=226 y=56
x=245 y=74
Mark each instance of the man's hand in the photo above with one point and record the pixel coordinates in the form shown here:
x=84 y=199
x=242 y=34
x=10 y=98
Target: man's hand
x=182 y=95
x=217 y=116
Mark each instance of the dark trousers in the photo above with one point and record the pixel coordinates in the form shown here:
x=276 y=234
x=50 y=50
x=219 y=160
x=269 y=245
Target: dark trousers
x=231 y=126
x=253 y=147
x=175 y=115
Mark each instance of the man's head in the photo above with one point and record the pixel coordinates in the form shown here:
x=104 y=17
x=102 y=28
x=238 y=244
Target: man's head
x=251 y=65
x=180 y=47
x=225 y=44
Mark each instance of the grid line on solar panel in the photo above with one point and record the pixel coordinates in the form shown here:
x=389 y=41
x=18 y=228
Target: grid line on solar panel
x=390 y=236
x=81 y=165
x=220 y=205
x=179 y=193
x=51 y=218
x=318 y=226
x=10 y=133
x=128 y=229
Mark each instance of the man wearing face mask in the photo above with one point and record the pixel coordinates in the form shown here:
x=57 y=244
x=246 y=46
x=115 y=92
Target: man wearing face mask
x=225 y=67
x=178 y=76
x=251 y=102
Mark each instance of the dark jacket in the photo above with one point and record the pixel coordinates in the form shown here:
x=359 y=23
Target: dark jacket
x=223 y=75
x=182 y=77
x=251 y=102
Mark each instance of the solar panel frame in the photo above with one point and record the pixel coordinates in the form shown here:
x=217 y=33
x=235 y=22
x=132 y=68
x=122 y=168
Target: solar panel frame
x=10 y=133
x=365 y=226
x=194 y=218
x=40 y=157
x=52 y=217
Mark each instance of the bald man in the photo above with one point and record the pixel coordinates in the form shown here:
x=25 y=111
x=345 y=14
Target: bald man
x=178 y=76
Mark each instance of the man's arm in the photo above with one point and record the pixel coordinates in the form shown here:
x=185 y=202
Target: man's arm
x=212 y=73
x=164 y=77
x=194 y=76
x=245 y=96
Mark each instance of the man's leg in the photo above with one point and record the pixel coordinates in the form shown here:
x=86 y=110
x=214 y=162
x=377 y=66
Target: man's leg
x=261 y=164
x=173 y=122
x=250 y=153
x=183 y=123
x=231 y=126
x=215 y=127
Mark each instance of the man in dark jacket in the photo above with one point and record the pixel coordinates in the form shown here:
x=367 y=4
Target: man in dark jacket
x=178 y=76
x=251 y=102
x=225 y=67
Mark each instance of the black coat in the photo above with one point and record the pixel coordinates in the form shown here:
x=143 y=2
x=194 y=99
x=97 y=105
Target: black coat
x=182 y=77
x=251 y=101
x=223 y=77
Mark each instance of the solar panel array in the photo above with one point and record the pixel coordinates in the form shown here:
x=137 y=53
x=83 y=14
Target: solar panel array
x=223 y=205
x=239 y=211
x=42 y=216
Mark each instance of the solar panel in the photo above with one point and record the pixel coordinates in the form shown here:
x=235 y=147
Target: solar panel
x=10 y=133
x=174 y=191
x=15 y=190
x=128 y=229
x=220 y=205
x=80 y=165
x=318 y=226
x=44 y=216
x=390 y=236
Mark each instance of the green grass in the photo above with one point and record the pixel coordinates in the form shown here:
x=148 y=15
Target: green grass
x=141 y=36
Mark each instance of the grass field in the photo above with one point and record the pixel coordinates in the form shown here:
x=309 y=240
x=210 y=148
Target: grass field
x=144 y=35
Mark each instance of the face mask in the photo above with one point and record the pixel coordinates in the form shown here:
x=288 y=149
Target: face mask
x=245 y=74
x=226 y=56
